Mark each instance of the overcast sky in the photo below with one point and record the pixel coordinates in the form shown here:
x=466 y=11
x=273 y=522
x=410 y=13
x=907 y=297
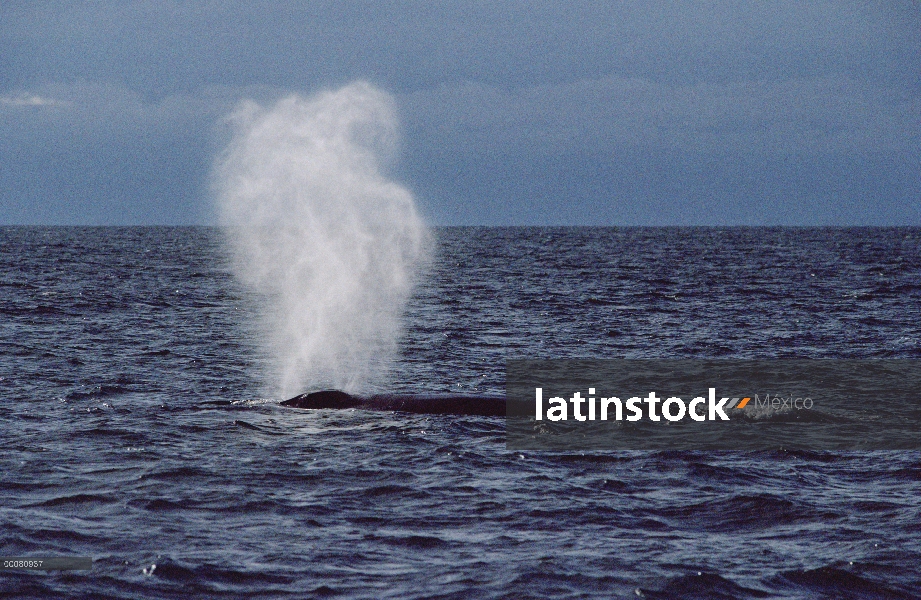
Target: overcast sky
x=607 y=113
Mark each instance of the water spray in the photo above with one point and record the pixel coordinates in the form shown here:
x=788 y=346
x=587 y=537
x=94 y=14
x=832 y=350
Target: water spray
x=314 y=225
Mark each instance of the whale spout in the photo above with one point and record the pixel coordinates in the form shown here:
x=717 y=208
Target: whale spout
x=485 y=406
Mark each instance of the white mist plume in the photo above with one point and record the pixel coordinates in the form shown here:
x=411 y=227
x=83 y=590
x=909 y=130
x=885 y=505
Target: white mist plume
x=321 y=233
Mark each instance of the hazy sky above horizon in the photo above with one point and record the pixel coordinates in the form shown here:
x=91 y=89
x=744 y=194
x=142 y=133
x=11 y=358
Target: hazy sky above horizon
x=635 y=113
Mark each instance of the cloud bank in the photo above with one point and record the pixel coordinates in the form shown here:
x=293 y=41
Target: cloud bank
x=584 y=113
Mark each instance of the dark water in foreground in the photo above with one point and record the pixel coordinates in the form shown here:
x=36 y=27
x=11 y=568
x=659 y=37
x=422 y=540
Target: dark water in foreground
x=113 y=341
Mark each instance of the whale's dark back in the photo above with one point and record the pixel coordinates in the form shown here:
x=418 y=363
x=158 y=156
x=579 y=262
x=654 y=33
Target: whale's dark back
x=324 y=399
x=426 y=405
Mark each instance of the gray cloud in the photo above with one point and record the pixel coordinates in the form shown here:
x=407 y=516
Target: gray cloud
x=165 y=47
x=112 y=111
x=806 y=115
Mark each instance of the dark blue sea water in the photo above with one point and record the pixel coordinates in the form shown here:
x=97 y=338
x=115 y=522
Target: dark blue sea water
x=115 y=344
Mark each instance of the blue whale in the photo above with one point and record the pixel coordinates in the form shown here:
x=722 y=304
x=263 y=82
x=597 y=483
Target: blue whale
x=484 y=406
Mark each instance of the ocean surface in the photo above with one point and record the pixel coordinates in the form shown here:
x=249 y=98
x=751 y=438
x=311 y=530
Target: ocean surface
x=137 y=428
